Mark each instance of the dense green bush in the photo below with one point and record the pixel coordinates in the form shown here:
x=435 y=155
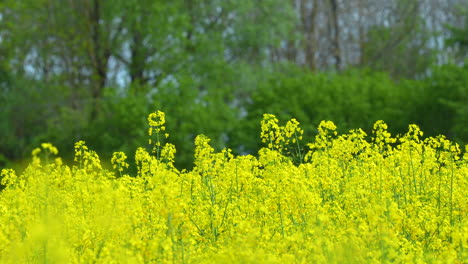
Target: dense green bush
x=32 y=113
x=354 y=99
x=443 y=103
x=121 y=123
x=28 y=112
x=358 y=98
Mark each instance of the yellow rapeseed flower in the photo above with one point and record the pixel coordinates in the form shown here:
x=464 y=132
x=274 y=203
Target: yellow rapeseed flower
x=388 y=199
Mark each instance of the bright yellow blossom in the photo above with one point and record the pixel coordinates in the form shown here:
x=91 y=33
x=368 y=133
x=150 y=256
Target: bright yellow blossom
x=387 y=199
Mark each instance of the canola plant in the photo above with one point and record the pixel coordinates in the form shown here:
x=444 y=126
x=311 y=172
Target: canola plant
x=348 y=198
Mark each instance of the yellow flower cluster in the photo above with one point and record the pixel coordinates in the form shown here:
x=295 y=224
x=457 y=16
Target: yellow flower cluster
x=391 y=199
x=8 y=177
x=284 y=139
x=156 y=123
x=87 y=159
x=47 y=149
x=118 y=161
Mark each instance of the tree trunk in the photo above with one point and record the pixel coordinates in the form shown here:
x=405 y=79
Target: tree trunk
x=336 y=34
x=100 y=54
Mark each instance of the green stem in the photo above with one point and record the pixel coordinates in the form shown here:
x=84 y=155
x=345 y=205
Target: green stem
x=281 y=218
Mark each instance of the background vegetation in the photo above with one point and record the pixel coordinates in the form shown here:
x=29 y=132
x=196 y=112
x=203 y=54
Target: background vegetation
x=92 y=70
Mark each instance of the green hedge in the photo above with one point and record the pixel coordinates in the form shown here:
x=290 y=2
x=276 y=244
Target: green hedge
x=33 y=113
x=358 y=98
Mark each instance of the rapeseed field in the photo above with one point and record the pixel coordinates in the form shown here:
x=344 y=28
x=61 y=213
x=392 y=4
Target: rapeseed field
x=343 y=198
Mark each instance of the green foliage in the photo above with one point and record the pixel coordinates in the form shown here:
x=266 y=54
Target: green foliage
x=72 y=72
x=120 y=125
x=358 y=98
x=118 y=128
x=107 y=62
x=352 y=99
x=442 y=106
x=26 y=105
x=459 y=35
x=392 y=49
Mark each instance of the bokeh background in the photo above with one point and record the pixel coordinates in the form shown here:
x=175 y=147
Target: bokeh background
x=93 y=70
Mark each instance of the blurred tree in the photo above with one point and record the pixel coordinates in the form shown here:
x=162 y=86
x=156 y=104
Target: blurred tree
x=401 y=46
x=371 y=33
x=84 y=58
x=68 y=42
x=459 y=35
x=82 y=69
